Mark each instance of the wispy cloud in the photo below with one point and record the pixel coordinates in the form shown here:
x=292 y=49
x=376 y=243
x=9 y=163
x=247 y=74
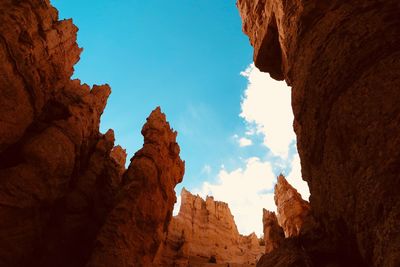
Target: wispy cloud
x=243 y=141
x=206 y=169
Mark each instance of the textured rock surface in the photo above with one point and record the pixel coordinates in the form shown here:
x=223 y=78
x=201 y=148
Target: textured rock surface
x=139 y=220
x=59 y=177
x=292 y=210
x=273 y=232
x=342 y=59
x=205 y=229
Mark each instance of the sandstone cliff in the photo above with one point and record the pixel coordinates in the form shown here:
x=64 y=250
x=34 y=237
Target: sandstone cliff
x=206 y=230
x=342 y=59
x=61 y=180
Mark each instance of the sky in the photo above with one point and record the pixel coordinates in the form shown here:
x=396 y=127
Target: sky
x=191 y=58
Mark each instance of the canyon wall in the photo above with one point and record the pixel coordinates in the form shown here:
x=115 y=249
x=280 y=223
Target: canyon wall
x=342 y=60
x=63 y=184
x=204 y=231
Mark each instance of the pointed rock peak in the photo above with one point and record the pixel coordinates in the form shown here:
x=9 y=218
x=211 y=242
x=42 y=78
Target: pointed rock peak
x=119 y=155
x=184 y=192
x=292 y=210
x=157 y=129
x=283 y=186
x=157 y=114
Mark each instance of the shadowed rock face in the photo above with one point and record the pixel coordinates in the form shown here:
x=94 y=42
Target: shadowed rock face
x=61 y=180
x=203 y=230
x=342 y=59
x=273 y=232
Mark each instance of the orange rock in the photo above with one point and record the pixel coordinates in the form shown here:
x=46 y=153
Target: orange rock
x=273 y=233
x=59 y=176
x=139 y=220
x=293 y=211
x=204 y=230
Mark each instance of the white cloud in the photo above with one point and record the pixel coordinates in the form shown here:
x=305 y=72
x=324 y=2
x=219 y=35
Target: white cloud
x=266 y=107
x=247 y=191
x=294 y=178
x=177 y=206
x=243 y=141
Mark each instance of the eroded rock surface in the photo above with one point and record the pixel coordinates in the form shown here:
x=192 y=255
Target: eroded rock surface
x=273 y=232
x=140 y=217
x=61 y=180
x=292 y=210
x=342 y=59
x=204 y=230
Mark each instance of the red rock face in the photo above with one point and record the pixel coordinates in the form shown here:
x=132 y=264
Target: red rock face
x=139 y=220
x=293 y=211
x=273 y=232
x=61 y=180
x=204 y=230
x=342 y=59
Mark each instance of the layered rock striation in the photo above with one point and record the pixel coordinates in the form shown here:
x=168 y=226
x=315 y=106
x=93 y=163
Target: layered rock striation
x=63 y=184
x=342 y=59
x=204 y=231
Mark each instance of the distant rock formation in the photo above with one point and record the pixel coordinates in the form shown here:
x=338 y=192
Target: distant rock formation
x=273 y=232
x=342 y=59
x=61 y=180
x=205 y=231
x=293 y=211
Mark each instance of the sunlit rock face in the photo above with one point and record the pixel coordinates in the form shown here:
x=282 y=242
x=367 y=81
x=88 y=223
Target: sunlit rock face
x=293 y=211
x=63 y=184
x=206 y=230
x=342 y=59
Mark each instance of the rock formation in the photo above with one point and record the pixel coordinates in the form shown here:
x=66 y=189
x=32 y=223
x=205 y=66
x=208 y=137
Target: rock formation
x=140 y=217
x=293 y=211
x=203 y=231
x=342 y=59
x=273 y=232
x=61 y=180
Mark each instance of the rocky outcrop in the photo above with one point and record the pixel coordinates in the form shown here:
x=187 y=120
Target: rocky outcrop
x=204 y=231
x=139 y=220
x=342 y=60
x=293 y=211
x=273 y=232
x=61 y=180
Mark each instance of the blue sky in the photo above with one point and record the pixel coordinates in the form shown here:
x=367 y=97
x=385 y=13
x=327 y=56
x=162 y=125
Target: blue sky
x=189 y=57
